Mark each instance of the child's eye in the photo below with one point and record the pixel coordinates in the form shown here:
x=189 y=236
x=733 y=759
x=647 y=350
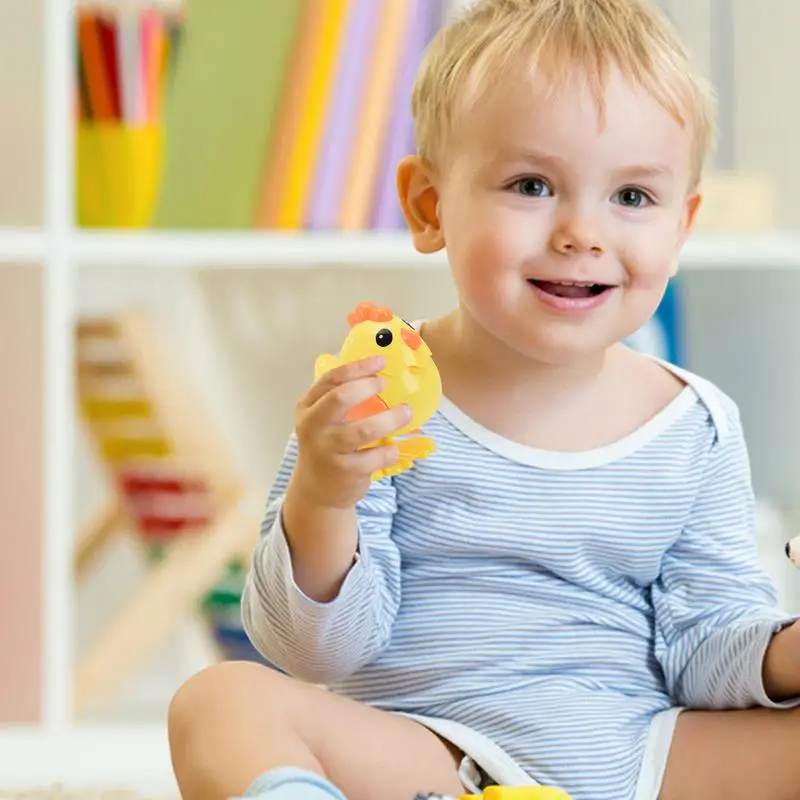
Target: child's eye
x=531 y=187
x=631 y=197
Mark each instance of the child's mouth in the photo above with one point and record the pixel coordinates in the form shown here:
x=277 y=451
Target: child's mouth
x=570 y=289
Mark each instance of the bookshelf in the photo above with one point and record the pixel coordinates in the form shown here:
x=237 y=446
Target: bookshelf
x=58 y=749
x=359 y=250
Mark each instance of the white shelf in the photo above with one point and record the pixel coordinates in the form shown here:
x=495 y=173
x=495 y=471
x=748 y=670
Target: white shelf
x=22 y=246
x=247 y=249
x=377 y=250
x=380 y=250
x=59 y=321
x=777 y=250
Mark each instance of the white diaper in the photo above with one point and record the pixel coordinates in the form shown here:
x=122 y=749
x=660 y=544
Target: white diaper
x=485 y=764
x=656 y=752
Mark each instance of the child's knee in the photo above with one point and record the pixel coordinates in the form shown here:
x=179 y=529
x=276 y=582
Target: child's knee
x=217 y=692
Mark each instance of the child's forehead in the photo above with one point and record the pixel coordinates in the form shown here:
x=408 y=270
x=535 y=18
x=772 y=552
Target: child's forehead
x=529 y=105
x=538 y=92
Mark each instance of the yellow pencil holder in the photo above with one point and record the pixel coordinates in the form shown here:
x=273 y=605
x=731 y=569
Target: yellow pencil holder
x=118 y=174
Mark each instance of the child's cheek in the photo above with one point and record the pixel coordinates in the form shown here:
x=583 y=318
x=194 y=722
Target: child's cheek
x=480 y=267
x=493 y=251
x=648 y=259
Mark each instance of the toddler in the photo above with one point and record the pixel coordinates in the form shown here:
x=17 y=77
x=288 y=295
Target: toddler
x=567 y=592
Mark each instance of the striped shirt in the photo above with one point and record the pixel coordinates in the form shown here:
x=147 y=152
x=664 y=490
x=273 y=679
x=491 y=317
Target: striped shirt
x=549 y=603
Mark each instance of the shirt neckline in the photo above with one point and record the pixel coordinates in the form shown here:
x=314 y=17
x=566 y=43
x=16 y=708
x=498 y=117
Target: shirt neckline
x=580 y=459
x=569 y=460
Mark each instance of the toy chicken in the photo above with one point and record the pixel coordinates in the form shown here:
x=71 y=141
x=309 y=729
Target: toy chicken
x=793 y=550
x=506 y=793
x=410 y=376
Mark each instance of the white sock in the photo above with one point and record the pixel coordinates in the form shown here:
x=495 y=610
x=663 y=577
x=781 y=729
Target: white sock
x=292 y=783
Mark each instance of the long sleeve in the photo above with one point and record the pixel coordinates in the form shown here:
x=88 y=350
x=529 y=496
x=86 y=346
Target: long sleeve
x=715 y=606
x=323 y=642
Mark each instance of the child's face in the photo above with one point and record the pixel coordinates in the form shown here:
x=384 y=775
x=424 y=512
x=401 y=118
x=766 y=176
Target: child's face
x=538 y=192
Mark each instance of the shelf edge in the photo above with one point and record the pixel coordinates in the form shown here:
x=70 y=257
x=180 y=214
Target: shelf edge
x=22 y=246
x=249 y=249
x=357 y=250
x=304 y=250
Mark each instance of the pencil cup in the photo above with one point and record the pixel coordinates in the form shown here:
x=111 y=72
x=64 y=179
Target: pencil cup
x=118 y=173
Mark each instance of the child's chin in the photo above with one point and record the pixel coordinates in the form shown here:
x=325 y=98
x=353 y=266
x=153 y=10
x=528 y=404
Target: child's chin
x=560 y=342
x=560 y=353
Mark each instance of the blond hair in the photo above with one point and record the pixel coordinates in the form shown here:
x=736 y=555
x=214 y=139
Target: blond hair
x=479 y=47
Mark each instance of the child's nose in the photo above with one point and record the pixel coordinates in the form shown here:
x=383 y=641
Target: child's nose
x=577 y=235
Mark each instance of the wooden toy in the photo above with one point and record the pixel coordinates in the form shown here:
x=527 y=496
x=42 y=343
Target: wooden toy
x=174 y=487
x=410 y=376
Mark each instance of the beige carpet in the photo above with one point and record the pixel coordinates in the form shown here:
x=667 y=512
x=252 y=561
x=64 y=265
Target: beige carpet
x=58 y=793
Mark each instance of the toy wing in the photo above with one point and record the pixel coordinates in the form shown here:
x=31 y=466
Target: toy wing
x=324 y=363
x=374 y=405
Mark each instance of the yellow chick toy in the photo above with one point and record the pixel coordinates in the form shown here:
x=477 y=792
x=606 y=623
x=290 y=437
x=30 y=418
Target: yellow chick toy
x=519 y=793
x=410 y=376
x=506 y=793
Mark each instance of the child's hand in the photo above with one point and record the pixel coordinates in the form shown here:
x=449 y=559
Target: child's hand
x=333 y=467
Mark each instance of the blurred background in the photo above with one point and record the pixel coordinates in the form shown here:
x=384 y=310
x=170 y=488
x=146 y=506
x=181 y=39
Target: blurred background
x=232 y=199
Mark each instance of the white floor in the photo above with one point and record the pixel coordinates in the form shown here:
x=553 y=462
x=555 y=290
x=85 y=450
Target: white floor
x=132 y=757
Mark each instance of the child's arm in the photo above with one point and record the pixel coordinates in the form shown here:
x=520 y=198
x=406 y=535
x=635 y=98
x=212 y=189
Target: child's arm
x=782 y=664
x=715 y=606
x=323 y=642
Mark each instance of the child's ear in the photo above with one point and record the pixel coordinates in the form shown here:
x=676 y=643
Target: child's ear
x=690 y=215
x=690 y=209
x=419 y=200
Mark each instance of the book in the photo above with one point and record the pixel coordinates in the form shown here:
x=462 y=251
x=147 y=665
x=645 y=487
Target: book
x=426 y=18
x=279 y=145
x=224 y=98
x=375 y=109
x=343 y=117
x=303 y=156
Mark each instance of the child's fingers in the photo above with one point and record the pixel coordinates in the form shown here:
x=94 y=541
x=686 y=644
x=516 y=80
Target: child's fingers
x=340 y=375
x=334 y=405
x=365 y=462
x=352 y=436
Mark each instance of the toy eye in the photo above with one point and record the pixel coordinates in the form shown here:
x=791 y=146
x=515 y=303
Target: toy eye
x=383 y=338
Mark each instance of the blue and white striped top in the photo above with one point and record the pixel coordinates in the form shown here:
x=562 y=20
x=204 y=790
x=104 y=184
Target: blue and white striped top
x=548 y=603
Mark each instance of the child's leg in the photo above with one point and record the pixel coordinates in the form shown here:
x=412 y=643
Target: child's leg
x=734 y=755
x=233 y=722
